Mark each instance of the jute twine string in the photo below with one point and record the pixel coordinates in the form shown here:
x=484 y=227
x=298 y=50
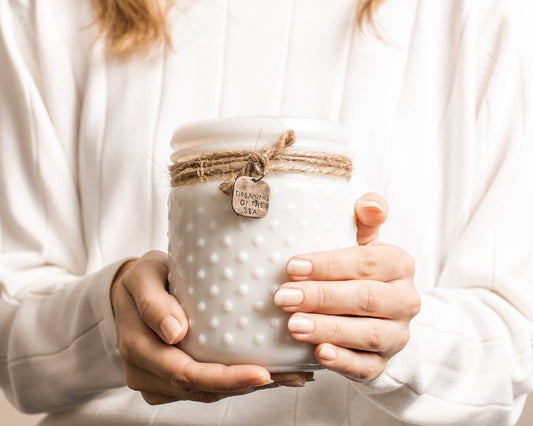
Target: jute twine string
x=276 y=158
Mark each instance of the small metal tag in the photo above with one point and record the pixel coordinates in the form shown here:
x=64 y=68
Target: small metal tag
x=250 y=197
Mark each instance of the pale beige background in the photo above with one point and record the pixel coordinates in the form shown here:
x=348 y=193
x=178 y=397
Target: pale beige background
x=10 y=417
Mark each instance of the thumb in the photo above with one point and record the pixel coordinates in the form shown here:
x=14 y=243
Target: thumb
x=370 y=212
x=146 y=281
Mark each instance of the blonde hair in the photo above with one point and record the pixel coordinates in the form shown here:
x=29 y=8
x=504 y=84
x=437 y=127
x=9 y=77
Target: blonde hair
x=132 y=26
x=366 y=10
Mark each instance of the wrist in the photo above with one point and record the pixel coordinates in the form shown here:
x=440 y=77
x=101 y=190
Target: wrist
x=117 y=279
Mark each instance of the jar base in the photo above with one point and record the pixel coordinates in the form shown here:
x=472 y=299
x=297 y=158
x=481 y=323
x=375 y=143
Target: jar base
x=294 y=368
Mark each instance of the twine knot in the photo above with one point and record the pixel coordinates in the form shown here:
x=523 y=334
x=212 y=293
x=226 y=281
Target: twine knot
x=258 y=161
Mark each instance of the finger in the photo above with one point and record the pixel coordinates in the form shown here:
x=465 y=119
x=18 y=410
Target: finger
x=378 y=262
x=145 y=382
x=139 y=346
x=146 y=282
x=184 y=372
x=207 y=397
x=293 y=379
x=370 y=212
x=361 y=297
x=157 y=398
x=141 y=380
x=361 y=333
x=359 y=366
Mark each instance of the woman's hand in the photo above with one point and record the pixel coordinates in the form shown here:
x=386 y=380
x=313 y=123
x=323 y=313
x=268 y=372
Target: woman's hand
x=149 y=321
x=355 y=303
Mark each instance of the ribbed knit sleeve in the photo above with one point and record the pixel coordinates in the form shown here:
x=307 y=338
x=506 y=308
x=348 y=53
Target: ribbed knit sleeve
x=57 y=341
x=469 y=359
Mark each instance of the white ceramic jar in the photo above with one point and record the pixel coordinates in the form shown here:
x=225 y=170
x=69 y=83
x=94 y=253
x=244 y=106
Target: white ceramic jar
x=225 y=268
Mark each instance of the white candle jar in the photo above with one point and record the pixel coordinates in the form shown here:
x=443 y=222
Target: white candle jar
x=224 y=268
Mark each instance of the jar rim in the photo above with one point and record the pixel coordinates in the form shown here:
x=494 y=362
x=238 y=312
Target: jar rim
x=233 y=133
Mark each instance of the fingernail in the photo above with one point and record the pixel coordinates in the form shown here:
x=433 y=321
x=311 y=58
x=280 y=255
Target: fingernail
x=327 y=353
x=301 y=324
x=374 y=205
x=299 y=267
x=288 y=297
x=170 y=328
x=261 y=381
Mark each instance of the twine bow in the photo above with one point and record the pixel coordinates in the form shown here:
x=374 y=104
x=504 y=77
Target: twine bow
x=258 y=161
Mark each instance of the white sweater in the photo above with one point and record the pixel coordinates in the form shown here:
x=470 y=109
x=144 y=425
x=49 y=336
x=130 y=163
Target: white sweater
x=441 y=113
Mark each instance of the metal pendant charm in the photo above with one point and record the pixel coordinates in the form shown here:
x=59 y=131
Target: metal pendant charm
x=250 y=197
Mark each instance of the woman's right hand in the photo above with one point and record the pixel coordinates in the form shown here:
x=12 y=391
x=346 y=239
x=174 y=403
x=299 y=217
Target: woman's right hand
x=149 y=321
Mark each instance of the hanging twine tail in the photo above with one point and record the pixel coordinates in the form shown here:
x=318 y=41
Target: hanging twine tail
x=257 y=161
x=277 y=158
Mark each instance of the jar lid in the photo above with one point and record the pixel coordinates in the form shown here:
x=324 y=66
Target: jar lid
x=230 y=134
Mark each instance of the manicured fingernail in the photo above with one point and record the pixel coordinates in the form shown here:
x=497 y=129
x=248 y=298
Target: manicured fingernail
x=301 y=324
x=374 y=205
x=170 y=328
x=327 y=353
x=261 y=381
x=299 y=267
x=288 y=297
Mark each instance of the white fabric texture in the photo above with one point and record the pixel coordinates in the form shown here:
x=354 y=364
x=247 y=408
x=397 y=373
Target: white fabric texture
x=440 y=109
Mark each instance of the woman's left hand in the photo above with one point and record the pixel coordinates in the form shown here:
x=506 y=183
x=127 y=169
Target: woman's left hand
x=355 y=303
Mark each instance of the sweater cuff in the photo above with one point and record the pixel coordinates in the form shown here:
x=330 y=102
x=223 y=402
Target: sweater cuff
x=386 y=382
x=100 y=300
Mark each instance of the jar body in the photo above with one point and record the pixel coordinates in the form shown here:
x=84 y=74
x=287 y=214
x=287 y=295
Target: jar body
x=225 y=269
